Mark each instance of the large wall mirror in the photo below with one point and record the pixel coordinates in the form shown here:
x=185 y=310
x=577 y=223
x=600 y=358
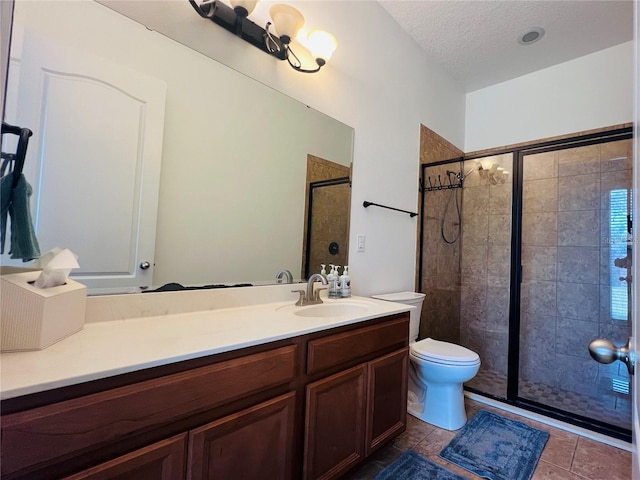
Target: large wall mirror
x=141 y=142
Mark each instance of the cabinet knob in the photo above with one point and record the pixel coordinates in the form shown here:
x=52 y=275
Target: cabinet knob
x=144 y=265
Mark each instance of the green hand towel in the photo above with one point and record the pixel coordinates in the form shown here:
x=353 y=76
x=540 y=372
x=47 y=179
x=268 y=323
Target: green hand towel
x=15 y=202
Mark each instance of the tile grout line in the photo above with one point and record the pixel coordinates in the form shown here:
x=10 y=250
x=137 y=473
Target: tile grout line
x=573 y=455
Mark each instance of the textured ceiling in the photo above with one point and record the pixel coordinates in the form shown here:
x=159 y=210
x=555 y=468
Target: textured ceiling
x=477 y=41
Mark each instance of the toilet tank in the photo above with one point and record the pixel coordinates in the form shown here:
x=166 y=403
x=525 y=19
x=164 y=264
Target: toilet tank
x=409 y=298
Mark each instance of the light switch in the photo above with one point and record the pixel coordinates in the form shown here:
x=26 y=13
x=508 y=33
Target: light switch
x=360 y=242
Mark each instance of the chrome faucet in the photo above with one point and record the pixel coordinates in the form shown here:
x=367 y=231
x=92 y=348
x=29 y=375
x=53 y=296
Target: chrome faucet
x=311 y=296
x=286 y=274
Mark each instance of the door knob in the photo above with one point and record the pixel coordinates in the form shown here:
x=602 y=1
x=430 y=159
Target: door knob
x=144 y=265
x=604 y=351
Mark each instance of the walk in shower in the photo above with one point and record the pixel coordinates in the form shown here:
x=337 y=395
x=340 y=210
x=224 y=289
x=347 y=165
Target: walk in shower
x=540 y=266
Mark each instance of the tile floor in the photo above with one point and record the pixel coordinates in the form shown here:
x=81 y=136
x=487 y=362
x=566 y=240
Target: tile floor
x=566 y=456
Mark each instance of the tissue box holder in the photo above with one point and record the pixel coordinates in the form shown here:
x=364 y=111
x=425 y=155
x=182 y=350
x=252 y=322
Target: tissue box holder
x=34 y=318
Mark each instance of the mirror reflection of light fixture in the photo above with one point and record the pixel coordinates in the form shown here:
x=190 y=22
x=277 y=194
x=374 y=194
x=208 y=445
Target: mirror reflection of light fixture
x=490 y=170
x=287 y=22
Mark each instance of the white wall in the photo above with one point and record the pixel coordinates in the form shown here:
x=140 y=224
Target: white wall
x=589 y=92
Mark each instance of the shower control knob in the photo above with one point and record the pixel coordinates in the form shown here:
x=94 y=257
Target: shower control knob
x=145 y=265
x=604 y=351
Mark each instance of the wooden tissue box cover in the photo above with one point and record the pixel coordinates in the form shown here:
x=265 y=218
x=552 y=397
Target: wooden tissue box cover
x=34 y=318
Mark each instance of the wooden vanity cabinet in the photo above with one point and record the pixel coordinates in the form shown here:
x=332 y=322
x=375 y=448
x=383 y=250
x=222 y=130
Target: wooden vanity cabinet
x=353 y=412
x=263 y=433
x=308 y=407
x=60 y=438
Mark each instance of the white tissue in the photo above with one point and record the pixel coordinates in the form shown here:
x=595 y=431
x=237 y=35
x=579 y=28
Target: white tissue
x=56 y=266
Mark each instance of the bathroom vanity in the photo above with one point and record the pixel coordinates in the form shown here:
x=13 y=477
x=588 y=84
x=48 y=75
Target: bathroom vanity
x=312 y=398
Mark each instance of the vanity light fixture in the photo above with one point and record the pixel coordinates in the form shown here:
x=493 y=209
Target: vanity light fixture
x=287 y=22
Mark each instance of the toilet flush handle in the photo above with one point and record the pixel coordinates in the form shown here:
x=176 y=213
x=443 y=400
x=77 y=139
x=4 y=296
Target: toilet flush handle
x=604 y=351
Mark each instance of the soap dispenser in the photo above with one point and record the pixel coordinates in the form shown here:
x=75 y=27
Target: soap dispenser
x=323 y=271
x=334 y=291
x=332 y=268
x=345 y=283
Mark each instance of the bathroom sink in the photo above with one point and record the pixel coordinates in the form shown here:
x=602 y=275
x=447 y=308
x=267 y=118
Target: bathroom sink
x=331 y=310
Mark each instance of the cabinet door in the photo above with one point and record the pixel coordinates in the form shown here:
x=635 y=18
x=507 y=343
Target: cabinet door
x=386 y=398
x=161 y=461
x=334 y=423
x=256 y=443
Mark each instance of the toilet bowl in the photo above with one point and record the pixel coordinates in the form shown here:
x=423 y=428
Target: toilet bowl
x=437 y=371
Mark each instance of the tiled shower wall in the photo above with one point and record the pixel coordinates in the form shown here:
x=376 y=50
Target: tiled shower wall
x=332 y=215
x=441 y=264
x=485 y=264
x=329 y=224
x=440 y=280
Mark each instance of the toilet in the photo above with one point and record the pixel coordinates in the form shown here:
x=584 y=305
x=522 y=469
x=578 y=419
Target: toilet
x=437 y=371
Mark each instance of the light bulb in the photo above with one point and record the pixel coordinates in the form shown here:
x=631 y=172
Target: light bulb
x=321 y=44
x=287 y=21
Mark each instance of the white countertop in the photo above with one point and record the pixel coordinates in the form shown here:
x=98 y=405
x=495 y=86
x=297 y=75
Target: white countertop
x=108 y=348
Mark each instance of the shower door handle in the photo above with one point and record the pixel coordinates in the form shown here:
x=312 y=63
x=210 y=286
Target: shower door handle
x=604 y=351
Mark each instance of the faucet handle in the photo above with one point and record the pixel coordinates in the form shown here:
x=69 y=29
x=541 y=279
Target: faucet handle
x=302 y=299
x=316 y=294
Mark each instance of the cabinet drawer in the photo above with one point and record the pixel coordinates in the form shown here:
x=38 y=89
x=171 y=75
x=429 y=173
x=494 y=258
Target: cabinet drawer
x=331 y=351
x=56 y=432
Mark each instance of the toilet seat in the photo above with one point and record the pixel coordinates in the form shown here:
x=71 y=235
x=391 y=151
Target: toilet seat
x=443 y=352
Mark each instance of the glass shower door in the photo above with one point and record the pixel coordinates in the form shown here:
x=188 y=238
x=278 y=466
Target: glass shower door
x=575 y=280
x=486 y=268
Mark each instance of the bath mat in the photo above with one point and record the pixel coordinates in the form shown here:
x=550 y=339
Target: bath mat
x=411 y=466
x=498 y=448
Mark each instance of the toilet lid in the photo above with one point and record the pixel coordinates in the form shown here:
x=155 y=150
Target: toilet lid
x=444 y=352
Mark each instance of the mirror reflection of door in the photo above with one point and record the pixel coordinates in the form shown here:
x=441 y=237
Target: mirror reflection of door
x=327 y=206
x=93 y=195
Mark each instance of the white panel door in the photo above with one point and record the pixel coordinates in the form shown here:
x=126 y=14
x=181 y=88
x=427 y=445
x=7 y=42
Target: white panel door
x=94 y=159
